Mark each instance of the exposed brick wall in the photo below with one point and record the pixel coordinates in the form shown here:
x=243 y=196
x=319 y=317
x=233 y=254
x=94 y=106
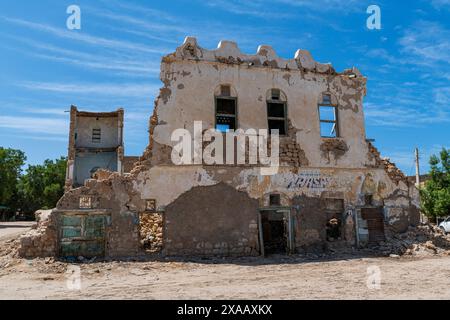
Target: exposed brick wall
x=42 y=241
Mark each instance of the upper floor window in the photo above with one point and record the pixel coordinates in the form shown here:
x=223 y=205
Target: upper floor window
x=328 y=115
x=276 y=111
x=226 y=110
x=275 y=200
x=96 y=135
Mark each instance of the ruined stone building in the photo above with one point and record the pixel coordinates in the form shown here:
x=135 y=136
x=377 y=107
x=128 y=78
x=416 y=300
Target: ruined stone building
x=95 y=142
x=332 y=189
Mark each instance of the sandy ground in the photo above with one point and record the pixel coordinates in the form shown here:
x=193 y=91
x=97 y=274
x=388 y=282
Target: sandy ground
x=249 y=278
x=13 y=229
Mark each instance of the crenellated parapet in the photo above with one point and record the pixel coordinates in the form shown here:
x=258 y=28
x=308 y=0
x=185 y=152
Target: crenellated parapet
x=228 y=52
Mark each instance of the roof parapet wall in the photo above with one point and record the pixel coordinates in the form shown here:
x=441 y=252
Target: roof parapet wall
x=228 y=52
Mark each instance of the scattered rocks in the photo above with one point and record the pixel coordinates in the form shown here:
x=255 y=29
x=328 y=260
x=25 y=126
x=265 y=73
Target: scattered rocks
x=42 y=241
x=423 y=240
x=391 y=169
x=151 y=231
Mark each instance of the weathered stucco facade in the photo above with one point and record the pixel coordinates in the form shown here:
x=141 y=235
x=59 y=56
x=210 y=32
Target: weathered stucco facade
x=328 y=190
x=95 y=143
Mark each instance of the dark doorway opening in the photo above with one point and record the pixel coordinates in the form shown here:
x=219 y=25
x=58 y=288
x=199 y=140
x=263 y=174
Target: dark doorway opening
x=375 y=224
x=334 y=232
x=274 y=232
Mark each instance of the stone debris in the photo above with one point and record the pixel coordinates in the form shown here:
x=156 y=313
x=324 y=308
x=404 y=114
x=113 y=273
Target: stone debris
x=425 y=239
x=42 y=241
x=151 y=231
x=393 y=172
x=391 y=169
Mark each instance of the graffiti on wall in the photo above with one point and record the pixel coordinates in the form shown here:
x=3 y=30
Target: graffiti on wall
x=313 y=180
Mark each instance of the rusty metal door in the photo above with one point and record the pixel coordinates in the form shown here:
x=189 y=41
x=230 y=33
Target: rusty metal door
x=375 y=223
x=83 y=235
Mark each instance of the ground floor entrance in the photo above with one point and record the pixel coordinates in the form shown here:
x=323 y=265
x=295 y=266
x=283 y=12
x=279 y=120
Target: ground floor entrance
x=375 y=224
x=83 y=235
x=276 y=231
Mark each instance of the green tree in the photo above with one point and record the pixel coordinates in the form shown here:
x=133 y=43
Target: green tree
x=11 y=162
x=42 y=185
x=435 y=195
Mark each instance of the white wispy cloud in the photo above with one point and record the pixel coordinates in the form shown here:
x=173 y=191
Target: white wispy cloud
x=250 y=8
x=147 y=11
x=427 y=42
x=396 y=116
x=130 y=67
x=148 y=25
x=113 y=89
x=45 y=111
x=440 y=4
x=49 y=126
x=86 y=38
x=273 y=8
x=328 y=5
x=424 y=50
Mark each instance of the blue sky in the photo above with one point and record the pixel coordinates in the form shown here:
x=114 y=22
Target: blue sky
x=113 y=61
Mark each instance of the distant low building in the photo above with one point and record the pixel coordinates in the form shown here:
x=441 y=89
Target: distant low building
x=423 y=178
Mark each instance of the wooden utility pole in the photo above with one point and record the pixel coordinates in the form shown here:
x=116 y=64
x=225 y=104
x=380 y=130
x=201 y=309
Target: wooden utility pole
x=417 y=168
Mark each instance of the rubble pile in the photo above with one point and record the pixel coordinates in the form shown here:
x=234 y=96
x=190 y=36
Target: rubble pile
x=151 y=231
x=422 y=240
x=41 y=241
x=393 y=172
x=391 y=169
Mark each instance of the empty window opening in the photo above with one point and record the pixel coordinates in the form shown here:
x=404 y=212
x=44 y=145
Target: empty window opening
x=368 y=199
x=276 y=94
x=374 y=218
x=328 y=122
x=151 y=232
x=276 y=112
x=274 y=229
x=326 y=99
x=275 y=200
x=226 y=114
x=328 y=115
x=85 y=202
x=225 y=91
x=96 y=135
x=150 y=205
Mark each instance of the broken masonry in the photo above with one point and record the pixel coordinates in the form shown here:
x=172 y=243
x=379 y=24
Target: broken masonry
x=332 y=190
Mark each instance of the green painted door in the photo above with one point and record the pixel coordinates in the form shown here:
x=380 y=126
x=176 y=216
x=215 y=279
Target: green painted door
x=83 y=235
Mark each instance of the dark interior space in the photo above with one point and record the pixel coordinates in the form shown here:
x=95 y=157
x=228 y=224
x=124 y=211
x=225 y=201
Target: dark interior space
x=274 y=233
x=334 y=230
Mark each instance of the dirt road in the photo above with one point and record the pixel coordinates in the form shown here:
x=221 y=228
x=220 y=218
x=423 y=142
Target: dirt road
x=275 y=278
x=13 y=229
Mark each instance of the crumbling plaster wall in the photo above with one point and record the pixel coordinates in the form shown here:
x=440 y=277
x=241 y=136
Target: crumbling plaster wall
x=116 y=196
x=192 y=75
x=110 y=135
x=190 y=78
x=172 y=188
x=82 y=150
x=212 y=220
x=166 y=184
